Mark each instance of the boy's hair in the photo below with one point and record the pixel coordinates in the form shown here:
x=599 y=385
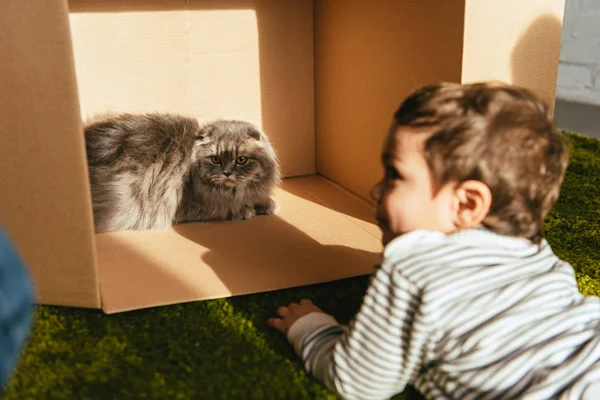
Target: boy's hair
x=498 y=134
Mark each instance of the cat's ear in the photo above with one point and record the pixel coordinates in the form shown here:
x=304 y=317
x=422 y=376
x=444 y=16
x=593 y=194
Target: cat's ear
x=204 y=133
x=200 y=139
x=255 y=134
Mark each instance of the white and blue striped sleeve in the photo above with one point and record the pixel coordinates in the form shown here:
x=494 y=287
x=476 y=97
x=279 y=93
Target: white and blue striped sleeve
x=378 y=353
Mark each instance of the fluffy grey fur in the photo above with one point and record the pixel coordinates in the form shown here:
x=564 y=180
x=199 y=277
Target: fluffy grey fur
x=150 y=171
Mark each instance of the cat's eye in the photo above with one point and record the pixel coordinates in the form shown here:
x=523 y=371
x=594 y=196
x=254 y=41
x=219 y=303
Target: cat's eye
x=215 y=159
x=241 y=160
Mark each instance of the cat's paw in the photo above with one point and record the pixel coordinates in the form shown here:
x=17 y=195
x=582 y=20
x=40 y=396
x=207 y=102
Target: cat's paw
x=246 y=212
x=270 y=207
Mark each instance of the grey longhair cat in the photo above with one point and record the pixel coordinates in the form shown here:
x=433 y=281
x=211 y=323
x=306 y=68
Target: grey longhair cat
x=150 y=171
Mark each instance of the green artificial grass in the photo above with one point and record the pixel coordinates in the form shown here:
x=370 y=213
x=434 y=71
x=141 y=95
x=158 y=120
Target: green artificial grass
x=223 y=349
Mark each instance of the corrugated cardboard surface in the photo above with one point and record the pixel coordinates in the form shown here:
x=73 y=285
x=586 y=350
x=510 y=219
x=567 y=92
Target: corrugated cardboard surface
x=245 y=59
x=369 y=56
x=45 y=203
x=514 y=41
x=248 y=59
x=320 y=234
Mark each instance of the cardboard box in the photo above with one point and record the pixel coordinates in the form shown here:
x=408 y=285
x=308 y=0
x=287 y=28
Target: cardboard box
x=321 y=77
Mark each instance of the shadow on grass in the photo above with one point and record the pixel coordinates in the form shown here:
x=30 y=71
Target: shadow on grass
x=203 y=350
x=217 y=349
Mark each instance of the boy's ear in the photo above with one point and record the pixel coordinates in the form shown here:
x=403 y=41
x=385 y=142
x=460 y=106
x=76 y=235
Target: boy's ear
x=473 y=200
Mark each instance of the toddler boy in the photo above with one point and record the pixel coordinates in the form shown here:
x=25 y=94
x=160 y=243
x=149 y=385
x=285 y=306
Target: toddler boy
x=469 y=301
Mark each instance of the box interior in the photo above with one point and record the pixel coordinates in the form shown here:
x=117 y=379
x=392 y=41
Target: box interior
x=322 y=78
x=322 y=233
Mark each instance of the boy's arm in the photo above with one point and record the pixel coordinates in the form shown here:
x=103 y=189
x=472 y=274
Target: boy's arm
x=378 y=354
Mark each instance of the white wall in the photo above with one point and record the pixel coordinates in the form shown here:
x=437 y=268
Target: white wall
x=579 y=68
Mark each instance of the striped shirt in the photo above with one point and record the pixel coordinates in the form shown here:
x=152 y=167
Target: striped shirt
x=472 y=315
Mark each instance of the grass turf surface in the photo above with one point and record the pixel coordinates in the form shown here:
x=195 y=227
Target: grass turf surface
x=223 y=349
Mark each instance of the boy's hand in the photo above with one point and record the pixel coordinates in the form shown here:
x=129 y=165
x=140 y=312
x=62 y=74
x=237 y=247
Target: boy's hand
x=288 y=315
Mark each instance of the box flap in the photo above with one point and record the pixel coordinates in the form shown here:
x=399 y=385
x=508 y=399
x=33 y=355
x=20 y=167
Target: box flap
x=45 y=202
x=514 y=41
x=320 y=234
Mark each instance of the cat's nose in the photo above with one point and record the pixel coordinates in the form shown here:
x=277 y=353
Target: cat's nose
x=227 y=174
